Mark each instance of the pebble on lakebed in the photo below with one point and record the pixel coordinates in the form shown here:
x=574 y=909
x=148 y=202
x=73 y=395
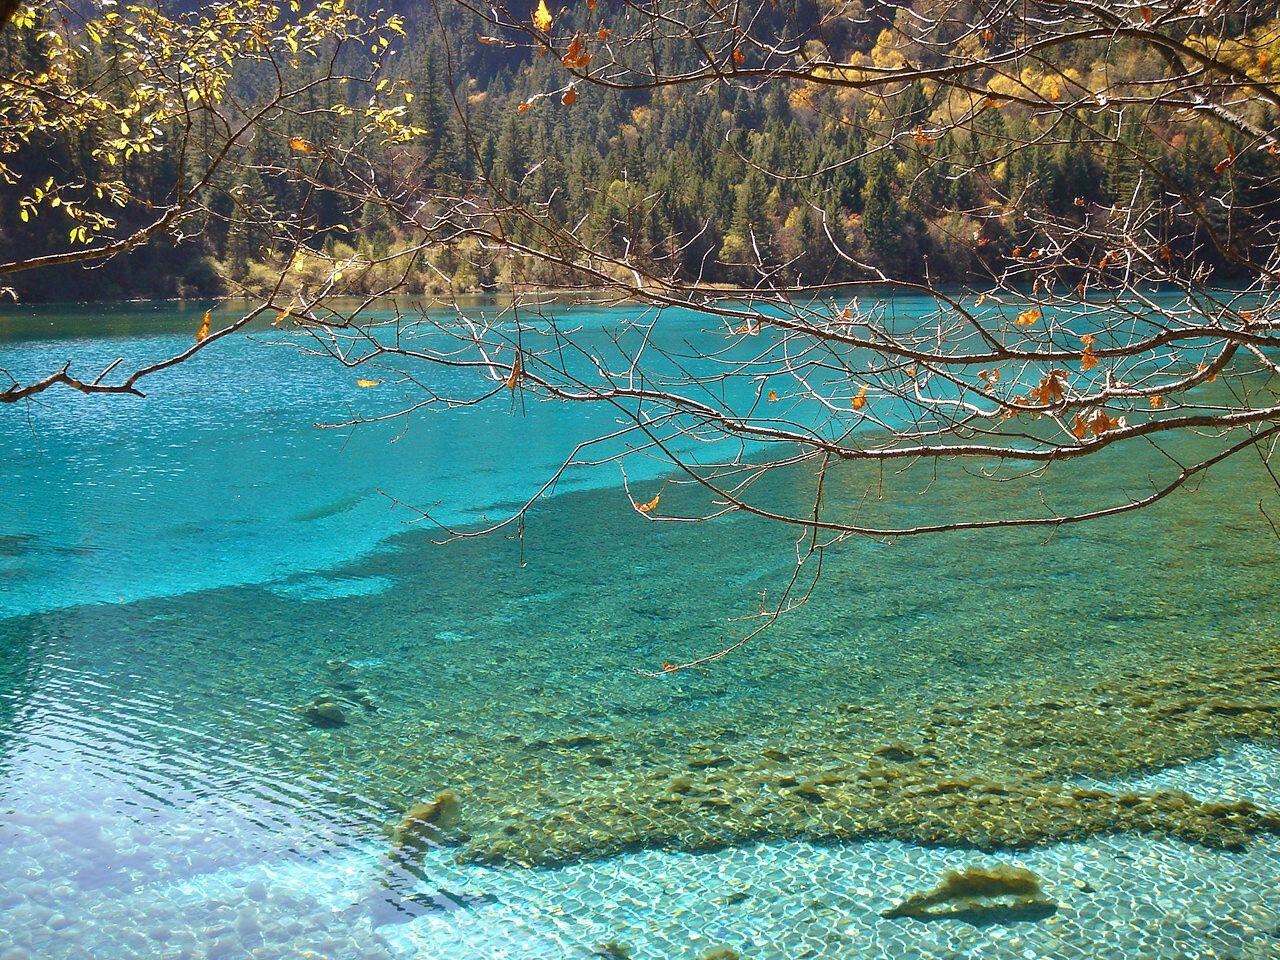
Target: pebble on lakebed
x=323 y=712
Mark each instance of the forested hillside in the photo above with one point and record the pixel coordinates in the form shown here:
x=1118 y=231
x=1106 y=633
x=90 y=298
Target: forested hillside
x=698 y=181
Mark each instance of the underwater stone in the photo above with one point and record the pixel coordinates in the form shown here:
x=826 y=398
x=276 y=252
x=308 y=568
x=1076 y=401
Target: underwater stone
x=978 y=895
x=428 y=821
x=614 y=950
x=896 y=753
x=720 y=953
x=321 y=712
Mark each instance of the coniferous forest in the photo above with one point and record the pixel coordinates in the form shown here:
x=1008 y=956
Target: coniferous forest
x=705 y=181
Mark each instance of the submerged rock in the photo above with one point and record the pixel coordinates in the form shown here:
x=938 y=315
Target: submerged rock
x=322 y=712
x=614 y=950
x=428 y=821
x=978 y=895
x=720 y=953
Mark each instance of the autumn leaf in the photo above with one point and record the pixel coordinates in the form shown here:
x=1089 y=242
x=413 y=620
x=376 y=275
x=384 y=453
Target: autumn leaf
x=524 y=106
x=989 y=376
x=591 y=5
x=921 y=137
x=569 y=97
x=603 y=33
x=860 y=399
x=1088 y=361
x=773 y=396
x=1156 y=402
x=1146 y=13
x=204 y=326
x=517 y=368
x=1050 y=390
x=1080 y=428
x=651 y=505
x=1101 y=423
x=576 y=57
x=1027 y=317
x=738 y=56
x=542 y=17
x=987 y=35
x=299 y=145
x=368 y=383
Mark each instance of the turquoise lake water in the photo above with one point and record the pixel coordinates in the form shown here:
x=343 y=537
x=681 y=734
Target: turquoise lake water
x=180 y=573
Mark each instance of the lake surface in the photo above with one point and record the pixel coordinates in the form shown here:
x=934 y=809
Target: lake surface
x=182 y=575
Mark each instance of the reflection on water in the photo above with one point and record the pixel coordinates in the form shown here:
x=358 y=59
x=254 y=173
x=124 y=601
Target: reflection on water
x=216 y=764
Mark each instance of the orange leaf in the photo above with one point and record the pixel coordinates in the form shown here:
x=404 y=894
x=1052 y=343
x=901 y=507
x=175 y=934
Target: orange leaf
x=738 y=55
x=523 y=106
x=1050 y=390
x=1088 y=361
x=651 y=505
x=570 y=95
x=1156 y=402
x=1101 y=423
x=576 y=57
x=989 y=376
x=591 y=4
x=1079 y=428
x=922 y=138
x=860 y=399
x=1027 y=318
x=603 y=33
x=516 y=369
x=367 y=383
x=987 y=35
x=299 y=145
x=204 y=326
x=773 y=396
x=1146 y=13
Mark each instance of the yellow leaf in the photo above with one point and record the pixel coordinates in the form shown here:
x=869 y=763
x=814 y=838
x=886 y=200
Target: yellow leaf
x=516 y=370
x=1028 y=318
x=542 y=17
x=204 y=326
x=299 y=145
x=368 y=383
x=652 y=504
x=860 y=400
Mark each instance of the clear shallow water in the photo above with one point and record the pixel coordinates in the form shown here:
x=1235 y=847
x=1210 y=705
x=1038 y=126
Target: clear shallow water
x=180 y=573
